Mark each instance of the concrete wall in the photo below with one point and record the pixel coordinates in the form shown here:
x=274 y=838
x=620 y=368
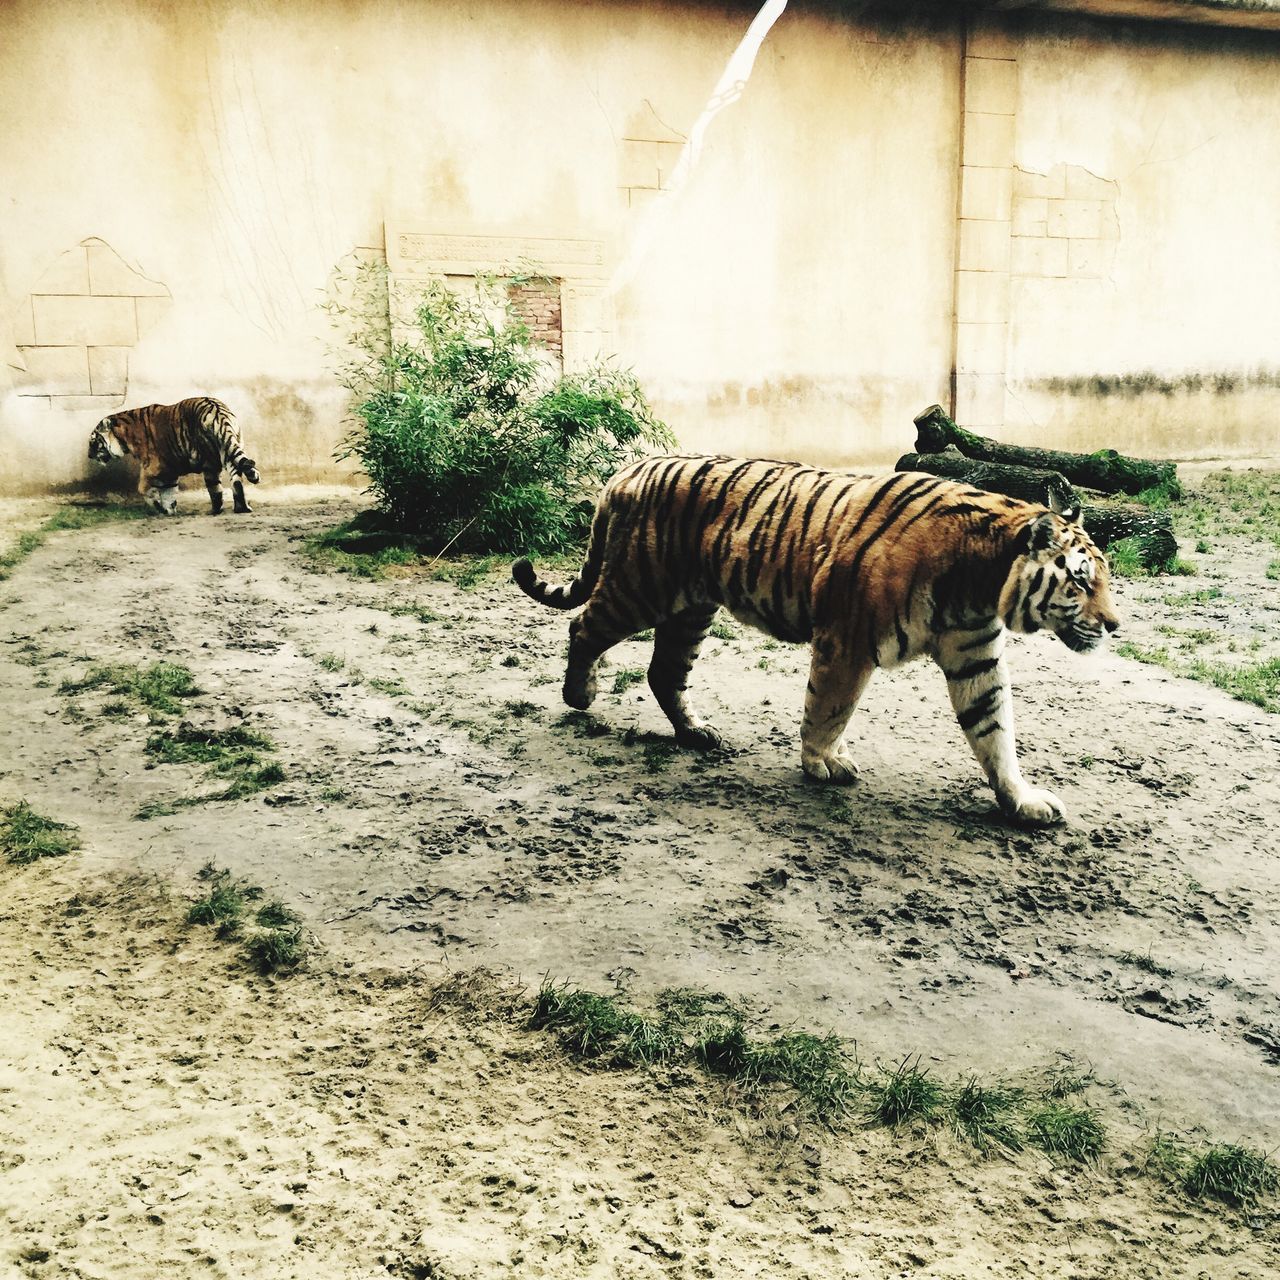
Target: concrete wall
x=233 y=153
x=862 y=233
x=1143 y=304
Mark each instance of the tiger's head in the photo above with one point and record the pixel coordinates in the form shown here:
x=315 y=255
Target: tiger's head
x=104 y=444
x=1060 y=582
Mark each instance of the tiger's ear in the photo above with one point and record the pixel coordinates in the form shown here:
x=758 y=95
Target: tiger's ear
x=1042 y=533
x=1065 y=507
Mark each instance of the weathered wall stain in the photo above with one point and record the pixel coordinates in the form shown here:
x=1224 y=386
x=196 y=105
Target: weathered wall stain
x=1220 y=382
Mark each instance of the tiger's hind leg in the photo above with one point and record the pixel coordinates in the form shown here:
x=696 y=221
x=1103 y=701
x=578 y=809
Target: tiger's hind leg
x=676 y=643
x=836 y=681
x=601 y=625
x=239 y=504
x=213 y=482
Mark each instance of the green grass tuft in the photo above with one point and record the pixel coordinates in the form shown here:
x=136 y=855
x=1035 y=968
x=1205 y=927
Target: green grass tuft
x=27 y=836
x=276 y=950
x=904 y=1095
x=273 y=938
x=236 y=754
x=1254 y=682
x=594 y=1026
x=983 y=1115
x=158 y=687
x=1074 y=1133
x=1236 y=1175
x=658 y=754
x=626 y=677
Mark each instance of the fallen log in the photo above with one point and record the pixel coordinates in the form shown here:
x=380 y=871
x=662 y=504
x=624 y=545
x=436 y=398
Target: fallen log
x=1151 y=532
x=1027 y=483
x=1106 y=470
x=1106 y=523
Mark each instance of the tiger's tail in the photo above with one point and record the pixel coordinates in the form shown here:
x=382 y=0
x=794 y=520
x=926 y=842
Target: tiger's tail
x=576 y=593
x=216 y=419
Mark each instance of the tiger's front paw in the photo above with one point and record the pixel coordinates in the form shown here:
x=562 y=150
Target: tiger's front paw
x=699 y=737
x=1034 y=807
x=838 y=767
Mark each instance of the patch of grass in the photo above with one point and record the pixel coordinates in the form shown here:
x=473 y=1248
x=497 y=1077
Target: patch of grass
x=658 y=754
x=706 y=1027
x=1167 y=1158
x=224 y=750
x=1236 y=1175
x=1236 y=503
x=68 y=517
x=593 y=1026
x=904 y=1095
x=584 y=725
x=1202 y=547
x=519 y=709
x=1074 y=1133
x=392 y=688
x=626 y=677
x=27 y=836
x=1125 y=558
x=1184 y=599
x=356 y=548
x=1066 y=1081
x=1273 y=570
x=1255 y=682
x=419 y=611
x=983 y=1115
x=159 y=809
x=330 y=662
x=725 y=628
x=116 y=707
x=225 y=904
x=240 y=755
x=511 y=660
x=157 y=687
x=276 y=950
x=817 y=1067
x=469 y=572
x=1144 y=962
x=272 y=934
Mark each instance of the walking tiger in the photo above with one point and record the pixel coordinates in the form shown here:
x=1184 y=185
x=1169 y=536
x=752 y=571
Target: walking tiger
x=870 y=570
x=172 y=440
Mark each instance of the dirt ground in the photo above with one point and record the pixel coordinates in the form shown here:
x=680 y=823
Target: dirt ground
x=442 y=811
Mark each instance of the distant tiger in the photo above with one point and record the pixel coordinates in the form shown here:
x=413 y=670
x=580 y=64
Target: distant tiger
x=871 y=570
x=172 y=440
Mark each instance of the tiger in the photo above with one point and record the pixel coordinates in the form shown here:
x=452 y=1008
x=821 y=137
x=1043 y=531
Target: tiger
x=172 y=440
x=869 y=570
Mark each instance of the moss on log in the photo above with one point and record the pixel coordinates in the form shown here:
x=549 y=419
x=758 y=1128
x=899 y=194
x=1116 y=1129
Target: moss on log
x=1026 y=483
x=1106 y=470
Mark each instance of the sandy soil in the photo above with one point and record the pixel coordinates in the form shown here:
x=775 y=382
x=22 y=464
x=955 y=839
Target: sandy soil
x=441 y=812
